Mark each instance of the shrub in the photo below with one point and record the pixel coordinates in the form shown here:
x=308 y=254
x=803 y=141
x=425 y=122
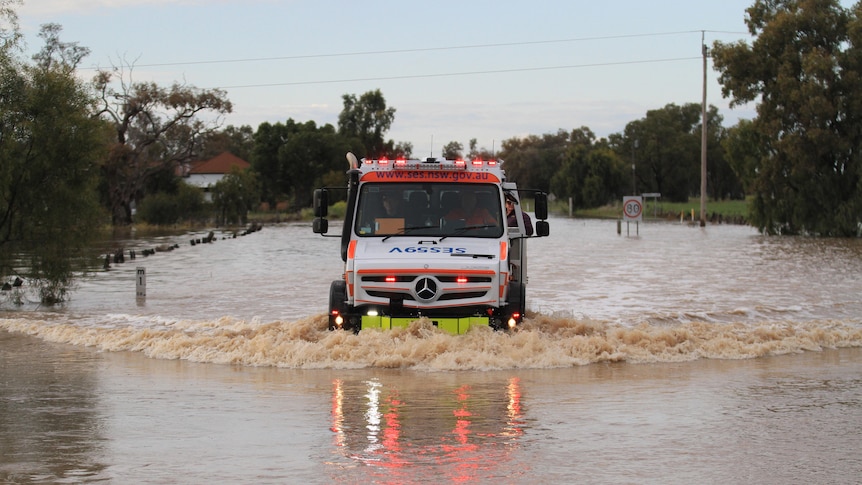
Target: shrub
x=166 y=209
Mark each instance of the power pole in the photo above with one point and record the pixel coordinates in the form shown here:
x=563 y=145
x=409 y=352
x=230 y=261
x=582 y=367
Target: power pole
x=634 y=173
x=703 y=137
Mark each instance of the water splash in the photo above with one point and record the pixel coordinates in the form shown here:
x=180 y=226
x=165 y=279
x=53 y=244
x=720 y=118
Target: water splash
x=543 y=341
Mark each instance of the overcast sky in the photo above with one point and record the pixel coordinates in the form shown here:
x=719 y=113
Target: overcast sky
x=453 y=70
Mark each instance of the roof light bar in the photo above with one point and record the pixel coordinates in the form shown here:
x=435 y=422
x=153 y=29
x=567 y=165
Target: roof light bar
x=427 y=167
x=402 y=163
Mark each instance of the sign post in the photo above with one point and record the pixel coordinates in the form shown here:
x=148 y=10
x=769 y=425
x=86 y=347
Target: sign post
x=655 y=196
x=633 y=211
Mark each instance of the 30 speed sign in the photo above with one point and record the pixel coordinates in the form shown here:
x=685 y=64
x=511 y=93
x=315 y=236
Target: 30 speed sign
x=633 y=208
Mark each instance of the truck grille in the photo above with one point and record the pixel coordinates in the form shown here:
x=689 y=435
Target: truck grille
x=409 y=278
x=428 y=288
x=407 y=296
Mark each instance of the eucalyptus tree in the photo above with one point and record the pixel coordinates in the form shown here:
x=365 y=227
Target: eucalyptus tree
x=803 y=69
x=368 y=119
x=155 y=128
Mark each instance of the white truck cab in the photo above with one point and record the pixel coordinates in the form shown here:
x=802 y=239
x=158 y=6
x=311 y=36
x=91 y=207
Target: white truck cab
x=430 y=238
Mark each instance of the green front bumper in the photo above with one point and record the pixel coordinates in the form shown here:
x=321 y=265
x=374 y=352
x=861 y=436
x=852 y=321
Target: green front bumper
x=457 y=325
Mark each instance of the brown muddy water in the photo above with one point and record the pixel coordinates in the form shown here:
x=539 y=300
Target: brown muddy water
x=682 y=355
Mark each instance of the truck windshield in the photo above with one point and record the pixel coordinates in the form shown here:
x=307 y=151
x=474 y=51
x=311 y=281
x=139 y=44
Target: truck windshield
x=410 y=209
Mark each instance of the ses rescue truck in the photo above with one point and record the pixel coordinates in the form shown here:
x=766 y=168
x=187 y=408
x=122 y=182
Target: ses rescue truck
x=430 y=238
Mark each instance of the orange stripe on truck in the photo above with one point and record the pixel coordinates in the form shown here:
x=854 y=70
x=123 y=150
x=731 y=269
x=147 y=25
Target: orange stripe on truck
x=351 y=249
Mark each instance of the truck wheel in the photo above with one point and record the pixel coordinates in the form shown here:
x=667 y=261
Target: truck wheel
x=337 y=304
x=517 y=300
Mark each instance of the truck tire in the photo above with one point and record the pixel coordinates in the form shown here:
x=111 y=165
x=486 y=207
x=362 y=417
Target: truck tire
x=517 y=299
x=337 y=303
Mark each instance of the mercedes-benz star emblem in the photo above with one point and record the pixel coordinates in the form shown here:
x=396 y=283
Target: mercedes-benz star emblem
x=426 y=289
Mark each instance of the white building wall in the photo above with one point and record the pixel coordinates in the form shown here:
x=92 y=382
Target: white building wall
x=204 y=181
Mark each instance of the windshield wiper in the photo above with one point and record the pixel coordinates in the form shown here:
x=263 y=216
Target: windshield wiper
x=462 y=230
x=404 y=230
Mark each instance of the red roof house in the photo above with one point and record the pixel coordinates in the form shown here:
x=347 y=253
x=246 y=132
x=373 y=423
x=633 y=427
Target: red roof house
x=206 y=173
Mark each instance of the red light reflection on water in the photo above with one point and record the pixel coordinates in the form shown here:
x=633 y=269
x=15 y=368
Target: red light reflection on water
x=392 y=430
x=338 y=412
x=515 y=414
x=463 y=455
x=458 y=437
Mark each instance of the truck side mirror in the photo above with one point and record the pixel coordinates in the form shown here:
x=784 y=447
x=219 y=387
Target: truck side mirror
x=542 y=228
x=321 y=203
x=541 y=199
x=320 y=225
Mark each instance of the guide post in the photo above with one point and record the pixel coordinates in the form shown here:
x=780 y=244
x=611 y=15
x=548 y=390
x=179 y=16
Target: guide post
x=141 y=283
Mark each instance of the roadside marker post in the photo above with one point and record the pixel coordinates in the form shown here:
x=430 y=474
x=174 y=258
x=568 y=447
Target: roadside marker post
x=141 y=283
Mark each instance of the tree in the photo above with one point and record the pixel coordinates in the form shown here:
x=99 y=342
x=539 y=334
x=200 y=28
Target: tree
x=309 y=155
x=591 y=173
x=402 y=149
x=664 y=147
x=744 y=150
x=367 y=119
x=292 y=158
x=50 y=147
x=476 y=152
x=155 y=128
x=235 y=195
x=802 y=68
x=274 y=179
x=62 y=56
x=532 y=161
x=236 y=140
x=10 y=35
x=452 y=150
x=722 y=181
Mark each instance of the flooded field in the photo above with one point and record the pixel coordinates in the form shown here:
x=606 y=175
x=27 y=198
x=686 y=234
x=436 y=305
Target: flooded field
x=682 y=354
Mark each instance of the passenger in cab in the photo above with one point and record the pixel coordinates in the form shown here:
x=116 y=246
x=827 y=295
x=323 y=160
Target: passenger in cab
x=512 y=218
x=393 y=204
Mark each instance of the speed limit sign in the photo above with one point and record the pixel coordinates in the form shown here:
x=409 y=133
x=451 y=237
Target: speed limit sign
x=633 y=208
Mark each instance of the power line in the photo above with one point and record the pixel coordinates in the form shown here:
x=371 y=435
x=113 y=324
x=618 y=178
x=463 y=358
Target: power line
x=428 y=49
x=453 y=74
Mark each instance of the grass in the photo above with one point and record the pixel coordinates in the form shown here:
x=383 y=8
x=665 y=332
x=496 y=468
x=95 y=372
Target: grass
x=734 y=210
x=730 y=210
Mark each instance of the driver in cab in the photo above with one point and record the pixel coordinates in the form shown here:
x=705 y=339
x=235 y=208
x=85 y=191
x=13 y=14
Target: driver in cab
x=470 y=213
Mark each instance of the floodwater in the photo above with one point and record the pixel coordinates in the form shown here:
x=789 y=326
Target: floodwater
x=680 y=355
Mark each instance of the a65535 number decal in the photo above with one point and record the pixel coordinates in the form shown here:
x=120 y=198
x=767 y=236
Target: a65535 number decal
x=428 y=250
